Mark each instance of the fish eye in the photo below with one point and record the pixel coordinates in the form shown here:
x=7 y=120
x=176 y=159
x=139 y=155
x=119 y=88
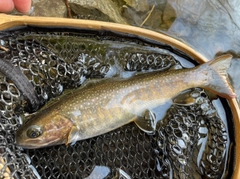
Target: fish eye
x=34 y=132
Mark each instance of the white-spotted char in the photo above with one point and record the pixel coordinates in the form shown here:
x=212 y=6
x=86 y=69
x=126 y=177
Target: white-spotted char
x=95 y=109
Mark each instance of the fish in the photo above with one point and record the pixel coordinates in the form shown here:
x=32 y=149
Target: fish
x=101 y=107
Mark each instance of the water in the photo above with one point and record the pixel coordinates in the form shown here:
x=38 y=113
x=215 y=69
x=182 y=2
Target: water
x=210 y=27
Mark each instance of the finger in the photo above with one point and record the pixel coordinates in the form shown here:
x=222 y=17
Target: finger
x=6 y=5
x=22 y=6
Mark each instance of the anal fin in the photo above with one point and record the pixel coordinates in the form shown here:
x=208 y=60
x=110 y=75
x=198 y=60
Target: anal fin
x=188 y=97
x=185 y=98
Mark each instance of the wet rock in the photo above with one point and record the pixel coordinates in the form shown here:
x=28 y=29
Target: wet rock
x=168 y=17
x=107 y=7
x=154 y=18
x=81 y=12
x=139 y=5
x=151 y=16
x=49 y=8
x=131 y=15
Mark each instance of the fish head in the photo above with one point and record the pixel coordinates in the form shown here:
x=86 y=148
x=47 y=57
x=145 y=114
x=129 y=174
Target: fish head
x=44 y=130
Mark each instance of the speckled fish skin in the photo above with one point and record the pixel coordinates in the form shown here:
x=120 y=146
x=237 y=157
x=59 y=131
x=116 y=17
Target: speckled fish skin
x=102 y=107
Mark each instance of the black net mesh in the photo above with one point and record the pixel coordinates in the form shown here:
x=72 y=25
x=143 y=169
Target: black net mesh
x=190 y=142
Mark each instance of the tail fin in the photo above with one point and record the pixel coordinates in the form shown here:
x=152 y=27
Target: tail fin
x=218 y=78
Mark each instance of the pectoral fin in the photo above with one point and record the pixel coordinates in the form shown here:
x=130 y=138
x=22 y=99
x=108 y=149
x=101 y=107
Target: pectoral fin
x=72 y=136
x=147 y=122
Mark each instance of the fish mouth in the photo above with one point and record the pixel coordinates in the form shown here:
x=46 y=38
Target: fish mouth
x=36 y=144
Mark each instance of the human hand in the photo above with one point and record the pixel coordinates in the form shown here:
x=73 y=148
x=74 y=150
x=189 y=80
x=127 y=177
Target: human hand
x=22 y=6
